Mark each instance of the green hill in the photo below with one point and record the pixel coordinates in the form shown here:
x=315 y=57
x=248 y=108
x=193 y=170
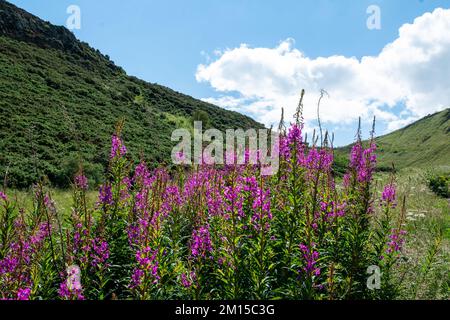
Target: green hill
x=60 y=100
x=424 y=143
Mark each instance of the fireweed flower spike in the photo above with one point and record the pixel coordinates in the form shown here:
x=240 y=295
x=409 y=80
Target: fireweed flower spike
x=3 y=196
x=118 y=149
x=23 y=294
x=310 y=257
x=388 y=195
x=184 y=281
x=201 y=242
x=81 y=182
x=105 y=195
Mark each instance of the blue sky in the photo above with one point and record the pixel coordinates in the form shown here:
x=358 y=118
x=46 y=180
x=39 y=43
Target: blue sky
x=166 y=41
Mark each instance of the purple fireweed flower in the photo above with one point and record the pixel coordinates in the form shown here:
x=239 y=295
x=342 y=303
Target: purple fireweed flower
x=133 y=234
x=42 y=232
x=118 y=149
x=293 y=140
x=99 y=253
x=185 y=282
x=124 y=192
x=368 y=162
x=73 y=278
x=142 y=176
x=171 y=200
x=319 y=160
x=261 y=209
x=284 y=149
x=141 y=199
x=214 y=199
x=181 y=158
x=69 y=291
x=310 y=257
x=339 y=209
x=295 y=135
x=201 y=242
x=3 y=196
x=105 y=195
x=388 y=195
x=395 y=242
x=48 y=202
x=230 y=158
x=332 y=209
x=355 y=155
x=363 y=162
x=136 y=278
x=147 y=265
x=347 y=180
x=23 y=294
x=234 y=199
x=15 y=268
x=324 y=206
x=9 y=264
x=81 y=182
x=251 y=185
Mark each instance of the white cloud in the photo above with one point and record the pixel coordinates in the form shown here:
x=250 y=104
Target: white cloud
x=412 y=71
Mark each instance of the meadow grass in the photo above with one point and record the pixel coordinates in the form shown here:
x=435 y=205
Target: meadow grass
x=426 y=264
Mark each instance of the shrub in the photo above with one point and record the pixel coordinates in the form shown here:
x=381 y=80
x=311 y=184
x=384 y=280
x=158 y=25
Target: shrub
x=440 y=184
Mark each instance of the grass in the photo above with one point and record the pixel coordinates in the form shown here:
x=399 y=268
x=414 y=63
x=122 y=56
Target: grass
x=428 y=224
x=63 y=199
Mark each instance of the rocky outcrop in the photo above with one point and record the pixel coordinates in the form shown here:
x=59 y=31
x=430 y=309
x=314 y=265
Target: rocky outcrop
x=21 y=25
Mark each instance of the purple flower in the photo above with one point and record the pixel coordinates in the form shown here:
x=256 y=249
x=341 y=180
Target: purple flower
x=201 y=242
x=389 y=195
x=136 y=278
x=3 y=196
x=23 y=294
x=261 y=208
x=310 y=257
x=363 y=161
x=65 y=293
x=105 y=195
x=396 y=241
x=184 y=281
x=142 y=175
x=234 y=199
x=118 y=149
x=319 y=160
x=81 y=182
x=100 y=252
x=147 y=265
x=292 y=144
x=42 y=232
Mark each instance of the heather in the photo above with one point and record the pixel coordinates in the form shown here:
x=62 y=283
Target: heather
x=226 y=232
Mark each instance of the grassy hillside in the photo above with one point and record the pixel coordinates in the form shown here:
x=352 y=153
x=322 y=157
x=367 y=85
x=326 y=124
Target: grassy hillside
x=424 y=143
x=60 y=100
